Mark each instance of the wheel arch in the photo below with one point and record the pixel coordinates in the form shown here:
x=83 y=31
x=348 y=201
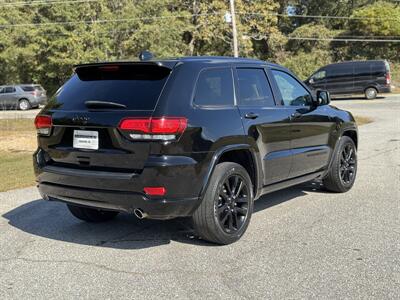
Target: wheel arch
x=242 y=154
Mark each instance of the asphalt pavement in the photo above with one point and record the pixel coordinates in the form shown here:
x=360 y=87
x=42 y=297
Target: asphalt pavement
x=302 y=242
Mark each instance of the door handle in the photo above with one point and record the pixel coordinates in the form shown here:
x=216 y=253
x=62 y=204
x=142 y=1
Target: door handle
x=251 y=115
x=295 y=115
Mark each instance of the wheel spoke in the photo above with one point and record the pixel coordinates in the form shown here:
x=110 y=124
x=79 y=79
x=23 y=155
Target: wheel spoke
x=222 y=208
x=223 y=220
x=241 y=210
x=241 y=199
x=228 y=187
x=239 y=189
x=230 y=222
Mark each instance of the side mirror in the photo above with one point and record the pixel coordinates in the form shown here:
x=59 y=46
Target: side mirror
x=311 y=80
x=323 y=98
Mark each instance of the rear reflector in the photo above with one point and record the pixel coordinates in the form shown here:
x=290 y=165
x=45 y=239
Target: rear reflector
x=155 y=191
x=164 y=128
x=43 y=124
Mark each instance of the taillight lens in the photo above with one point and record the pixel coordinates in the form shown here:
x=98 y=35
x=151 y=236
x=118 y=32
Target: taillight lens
x=165 y=128
x=43 y=124
x=155 y=191
x=388 y=78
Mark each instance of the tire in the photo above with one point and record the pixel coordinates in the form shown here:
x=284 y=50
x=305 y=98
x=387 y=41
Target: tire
x=336 y=179
x=214 y=220
x=371 y=93
x=24 y=104
x=91 y=215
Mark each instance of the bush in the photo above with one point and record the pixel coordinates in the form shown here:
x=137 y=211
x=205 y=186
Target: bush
x=304 y=64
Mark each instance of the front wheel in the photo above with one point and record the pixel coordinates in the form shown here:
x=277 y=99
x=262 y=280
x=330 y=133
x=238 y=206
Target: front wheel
x=91 y=214
x=227 y=206
x=342 y=173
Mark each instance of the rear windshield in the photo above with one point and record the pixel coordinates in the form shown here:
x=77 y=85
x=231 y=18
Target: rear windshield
x=136 y=86
x=28 y=88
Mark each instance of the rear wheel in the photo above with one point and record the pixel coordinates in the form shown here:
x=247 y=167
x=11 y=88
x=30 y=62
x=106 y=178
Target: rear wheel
x=24 y=104
x=371 y=93
x=91 y=214
x=227 y=206
x=343 y=171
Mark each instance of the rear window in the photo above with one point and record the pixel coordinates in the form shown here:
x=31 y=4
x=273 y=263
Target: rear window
x=136 y=86
x=28 y=88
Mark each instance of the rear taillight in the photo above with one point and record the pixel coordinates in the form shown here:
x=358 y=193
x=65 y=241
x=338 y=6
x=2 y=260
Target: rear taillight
x=43 y=124
x=388 y=78
x=165 y=128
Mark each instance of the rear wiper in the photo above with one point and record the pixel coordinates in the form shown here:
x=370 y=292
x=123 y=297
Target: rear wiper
x=103 y=104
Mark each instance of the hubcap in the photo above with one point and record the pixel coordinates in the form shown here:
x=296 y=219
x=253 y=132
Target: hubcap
x=347 y=164
x=371 y=93
x=233 y=204
x=23 y=105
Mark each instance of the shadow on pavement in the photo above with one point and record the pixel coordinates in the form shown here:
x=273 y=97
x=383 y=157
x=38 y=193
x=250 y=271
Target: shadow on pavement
x=355 y=98
x=53 y=221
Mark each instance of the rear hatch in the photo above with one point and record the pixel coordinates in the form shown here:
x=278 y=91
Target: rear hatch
x=87 y=110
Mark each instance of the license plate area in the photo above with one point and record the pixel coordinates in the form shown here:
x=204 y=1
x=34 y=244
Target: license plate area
x=86 y=139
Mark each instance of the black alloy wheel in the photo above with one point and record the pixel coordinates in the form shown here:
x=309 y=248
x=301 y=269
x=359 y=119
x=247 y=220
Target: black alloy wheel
x=233 y=203
x=347 y=164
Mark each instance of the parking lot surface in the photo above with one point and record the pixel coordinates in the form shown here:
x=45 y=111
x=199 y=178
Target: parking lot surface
x=302 y=242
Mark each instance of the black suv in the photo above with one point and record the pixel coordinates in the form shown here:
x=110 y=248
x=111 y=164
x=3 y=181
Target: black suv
x=197 y=136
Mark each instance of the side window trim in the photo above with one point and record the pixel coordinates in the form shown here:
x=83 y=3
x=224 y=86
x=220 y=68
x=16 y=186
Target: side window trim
x=267 y=76
x=299 y=82
x=195 y=105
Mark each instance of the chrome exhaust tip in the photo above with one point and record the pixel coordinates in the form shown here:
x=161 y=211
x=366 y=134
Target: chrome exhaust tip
x=140 y=214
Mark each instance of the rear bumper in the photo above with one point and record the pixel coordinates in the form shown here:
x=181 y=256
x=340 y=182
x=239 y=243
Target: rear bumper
x=183 y=178
x=385 y=89
x=119 y=201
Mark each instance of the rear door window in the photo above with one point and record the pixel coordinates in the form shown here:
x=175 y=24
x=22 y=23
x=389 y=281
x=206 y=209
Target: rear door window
x=28 y=88
x=254 y=88
x=214 y=88
x=136 y=86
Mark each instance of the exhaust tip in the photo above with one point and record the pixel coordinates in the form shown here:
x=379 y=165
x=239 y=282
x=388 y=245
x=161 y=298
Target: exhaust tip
x=140 y=214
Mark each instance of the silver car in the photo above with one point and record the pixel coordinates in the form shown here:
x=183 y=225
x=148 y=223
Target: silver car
x=22 y=96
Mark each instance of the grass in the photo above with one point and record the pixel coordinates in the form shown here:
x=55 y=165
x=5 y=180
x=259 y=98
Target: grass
x=17 y=144
x=360 y=120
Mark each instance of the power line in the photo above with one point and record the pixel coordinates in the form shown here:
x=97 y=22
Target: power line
x=102 y=21
x=319 y=17
x=343 y=40
x=34 y=3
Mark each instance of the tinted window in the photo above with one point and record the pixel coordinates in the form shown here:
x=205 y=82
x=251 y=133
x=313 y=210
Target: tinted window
x=345 y=70
x=136 y=86
x=28 y=88
x=214 y=87
x=9 y=89
x=254 y=89
x=319 y=75
x=293 y=93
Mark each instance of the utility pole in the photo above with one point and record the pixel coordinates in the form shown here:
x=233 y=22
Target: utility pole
x=234 y=30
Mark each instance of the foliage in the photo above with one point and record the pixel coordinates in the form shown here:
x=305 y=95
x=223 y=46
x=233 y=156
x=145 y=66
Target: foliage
x=304 y=64
x=41 y=42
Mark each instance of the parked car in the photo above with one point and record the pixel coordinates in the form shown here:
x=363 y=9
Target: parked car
x=22 y=96
x=196 y=136
x=368 y=77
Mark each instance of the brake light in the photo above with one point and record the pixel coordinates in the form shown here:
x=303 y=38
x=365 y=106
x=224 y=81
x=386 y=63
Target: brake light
x=388 y=78
x=155 y=191
x=43 y=124
x=165 y=128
